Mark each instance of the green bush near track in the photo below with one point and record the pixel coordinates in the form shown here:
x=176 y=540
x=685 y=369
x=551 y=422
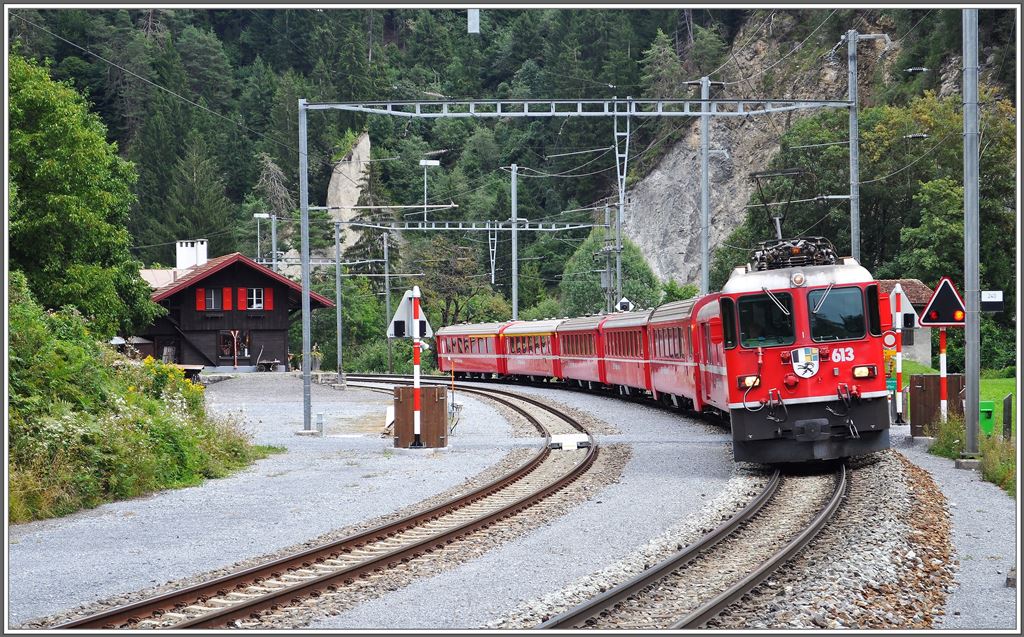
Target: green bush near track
x=88 y=425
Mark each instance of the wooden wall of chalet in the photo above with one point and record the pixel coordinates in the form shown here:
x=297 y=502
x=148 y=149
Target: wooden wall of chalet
x=268 y=328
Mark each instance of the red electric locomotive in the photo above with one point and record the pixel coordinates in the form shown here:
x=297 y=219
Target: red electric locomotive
x=803 y=378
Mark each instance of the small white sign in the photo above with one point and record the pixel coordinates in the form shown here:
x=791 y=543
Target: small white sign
x=401 y=325
x=889 y=340
x=624 y=305
x=992 y=295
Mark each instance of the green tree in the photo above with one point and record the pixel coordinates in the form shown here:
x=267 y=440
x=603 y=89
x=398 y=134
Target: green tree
x=207 y=66
x=581 y=284
x=662 y=70
x=197 y=205
x=674 y=291
x=71 y=195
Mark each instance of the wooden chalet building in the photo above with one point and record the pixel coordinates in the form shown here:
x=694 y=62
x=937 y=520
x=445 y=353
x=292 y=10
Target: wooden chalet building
x=227 y=312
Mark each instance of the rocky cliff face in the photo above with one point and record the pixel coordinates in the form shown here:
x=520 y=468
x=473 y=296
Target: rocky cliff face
x=342 y=191
x=663 y=212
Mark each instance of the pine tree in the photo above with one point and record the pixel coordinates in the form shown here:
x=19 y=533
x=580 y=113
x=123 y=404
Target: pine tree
x=197 y=207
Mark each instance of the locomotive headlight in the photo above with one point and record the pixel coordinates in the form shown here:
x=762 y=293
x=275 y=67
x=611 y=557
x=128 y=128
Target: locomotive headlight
x=864 y=371
x=745 y=382
x=798 y=279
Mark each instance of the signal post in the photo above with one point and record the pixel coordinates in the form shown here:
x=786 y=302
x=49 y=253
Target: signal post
x=945 y=309
x=410 y=322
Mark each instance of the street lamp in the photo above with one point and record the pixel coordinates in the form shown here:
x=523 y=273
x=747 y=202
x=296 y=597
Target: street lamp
x=257 y=216
x=425 y=163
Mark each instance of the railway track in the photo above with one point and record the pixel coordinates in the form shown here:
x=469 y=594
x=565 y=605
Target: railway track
x=238 y=599
x=697 y=583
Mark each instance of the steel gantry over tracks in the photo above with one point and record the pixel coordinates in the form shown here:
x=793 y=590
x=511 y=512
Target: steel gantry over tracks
x=621 y=110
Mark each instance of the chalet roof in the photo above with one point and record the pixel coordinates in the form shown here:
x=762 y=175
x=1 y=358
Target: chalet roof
x=195 y=275
x=918 y=293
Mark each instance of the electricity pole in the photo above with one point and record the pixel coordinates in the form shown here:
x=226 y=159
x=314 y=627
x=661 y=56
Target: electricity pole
x=307 y=400
x=609 y=301
x=337 y=295
x=273 y=241
x=515 y=244
x=705 y=186
x=387 y=295
x=851 y=94
x=852 y=39
x=972 y=327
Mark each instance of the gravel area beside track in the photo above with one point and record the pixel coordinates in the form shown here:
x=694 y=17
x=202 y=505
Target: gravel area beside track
x=677 y=467
x=882 y=562
x=984 y=536
x=106 y=555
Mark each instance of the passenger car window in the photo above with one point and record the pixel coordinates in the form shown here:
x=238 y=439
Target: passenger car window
x=840 y=316
x=763 y=323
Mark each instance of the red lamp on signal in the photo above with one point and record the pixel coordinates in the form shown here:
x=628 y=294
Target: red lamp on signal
x=958 y=315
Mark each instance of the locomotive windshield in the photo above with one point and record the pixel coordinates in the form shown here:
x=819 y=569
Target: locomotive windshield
x=839 y=317
x=763 y=323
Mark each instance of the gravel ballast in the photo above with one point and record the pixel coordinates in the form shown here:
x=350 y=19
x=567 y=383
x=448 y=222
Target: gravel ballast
x=678 y=467
x=318 y=485
x=984 y=536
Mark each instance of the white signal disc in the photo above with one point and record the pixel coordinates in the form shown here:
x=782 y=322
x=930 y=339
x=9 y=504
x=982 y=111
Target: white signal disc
x=889 y=339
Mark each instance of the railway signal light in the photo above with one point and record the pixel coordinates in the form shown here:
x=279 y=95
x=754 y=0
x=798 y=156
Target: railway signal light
x=946 y=308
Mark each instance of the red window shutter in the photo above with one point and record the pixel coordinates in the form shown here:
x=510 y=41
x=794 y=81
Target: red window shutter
x=241 y=299
x=200 y=299
x=268 y=298
x=226 y=295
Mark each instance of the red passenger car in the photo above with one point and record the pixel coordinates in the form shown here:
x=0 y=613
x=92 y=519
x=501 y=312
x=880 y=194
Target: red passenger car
x=473 y=350
x=582 y=351
x=624 y=337
x=673 y=366
x=531 y=349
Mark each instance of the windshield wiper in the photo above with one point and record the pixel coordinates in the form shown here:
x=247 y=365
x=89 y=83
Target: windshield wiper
x=822 y=300
x=775 y=301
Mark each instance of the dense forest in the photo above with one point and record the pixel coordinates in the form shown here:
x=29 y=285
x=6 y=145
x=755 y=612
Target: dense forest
x=200 y=111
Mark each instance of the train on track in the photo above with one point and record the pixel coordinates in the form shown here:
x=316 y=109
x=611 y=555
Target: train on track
x=789 y=353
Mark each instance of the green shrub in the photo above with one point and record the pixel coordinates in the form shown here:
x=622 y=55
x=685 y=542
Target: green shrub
x=949 y=438
x=88 y=425
x=999 y=463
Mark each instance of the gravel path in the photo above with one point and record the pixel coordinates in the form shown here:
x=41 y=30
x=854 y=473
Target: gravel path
x=318 y=485
x=677 y=468
x=984 y=532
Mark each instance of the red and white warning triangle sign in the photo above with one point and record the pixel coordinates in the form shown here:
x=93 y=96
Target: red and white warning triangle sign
x=946 y=308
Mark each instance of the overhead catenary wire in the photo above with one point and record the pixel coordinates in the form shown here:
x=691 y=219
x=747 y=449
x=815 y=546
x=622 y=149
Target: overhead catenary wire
x=919 y=158
x=909 y=31
x=791 y=52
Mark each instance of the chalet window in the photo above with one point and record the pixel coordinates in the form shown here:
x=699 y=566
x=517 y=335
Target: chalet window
x=254 y=299
x=213 y=298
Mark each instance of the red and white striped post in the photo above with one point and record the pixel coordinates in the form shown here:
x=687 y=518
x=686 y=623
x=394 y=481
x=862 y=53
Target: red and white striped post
x=942 y=373
x=899 y=360
x=416 y=442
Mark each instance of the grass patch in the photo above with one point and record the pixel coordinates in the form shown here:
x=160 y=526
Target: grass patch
x=996 y=389
x=88 y=426
x=998 y=456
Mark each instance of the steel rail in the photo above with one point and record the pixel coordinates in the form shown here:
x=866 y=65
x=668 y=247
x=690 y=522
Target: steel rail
x=596 y=605
x=130 y=614
x=700 y=616
x=444 y=381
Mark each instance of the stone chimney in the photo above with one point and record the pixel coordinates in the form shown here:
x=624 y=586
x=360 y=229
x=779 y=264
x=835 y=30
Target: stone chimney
x=190 y=254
